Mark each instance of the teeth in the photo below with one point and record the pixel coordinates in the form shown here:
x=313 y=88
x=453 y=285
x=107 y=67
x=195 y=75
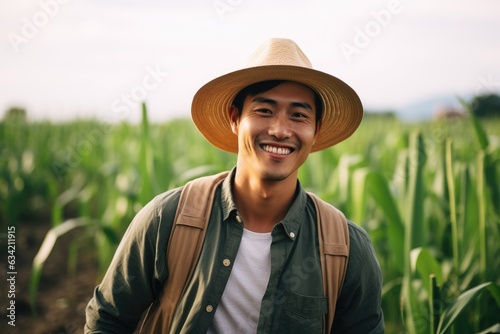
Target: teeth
x=276 y=150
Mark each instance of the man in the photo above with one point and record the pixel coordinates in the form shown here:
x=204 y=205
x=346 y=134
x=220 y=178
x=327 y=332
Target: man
x=259 y=270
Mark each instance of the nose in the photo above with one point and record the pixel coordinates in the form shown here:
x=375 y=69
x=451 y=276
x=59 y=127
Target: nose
x=279 y=127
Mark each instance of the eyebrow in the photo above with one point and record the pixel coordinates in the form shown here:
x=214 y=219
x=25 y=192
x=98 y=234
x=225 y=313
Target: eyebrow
x=272 y=102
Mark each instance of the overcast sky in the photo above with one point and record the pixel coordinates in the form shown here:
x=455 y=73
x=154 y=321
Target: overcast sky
x=62 y=59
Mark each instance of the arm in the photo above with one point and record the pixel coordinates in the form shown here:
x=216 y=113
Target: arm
x=359 y=307
x=137 y=271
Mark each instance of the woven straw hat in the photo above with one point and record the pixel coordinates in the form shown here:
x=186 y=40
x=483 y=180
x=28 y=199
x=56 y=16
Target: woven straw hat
x=277 y=59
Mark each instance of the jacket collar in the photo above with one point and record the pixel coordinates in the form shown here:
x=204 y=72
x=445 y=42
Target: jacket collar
x=292 y=220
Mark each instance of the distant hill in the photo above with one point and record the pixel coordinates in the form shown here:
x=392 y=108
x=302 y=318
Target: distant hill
x=426 y=109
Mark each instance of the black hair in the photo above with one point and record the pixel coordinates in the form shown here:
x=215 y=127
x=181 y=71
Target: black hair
x=264 y=86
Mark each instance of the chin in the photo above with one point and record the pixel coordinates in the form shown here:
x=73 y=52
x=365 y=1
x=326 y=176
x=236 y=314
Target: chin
x=275 y=177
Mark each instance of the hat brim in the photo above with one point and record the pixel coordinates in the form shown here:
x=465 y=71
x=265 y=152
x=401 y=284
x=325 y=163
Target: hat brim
x=342 y=108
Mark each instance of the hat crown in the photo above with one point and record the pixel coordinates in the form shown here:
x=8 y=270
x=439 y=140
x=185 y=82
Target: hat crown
x=279 y=51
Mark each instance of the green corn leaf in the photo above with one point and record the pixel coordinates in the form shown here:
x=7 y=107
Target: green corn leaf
x=450 y=181
x=481 y=135
x=146 y=161
x=378 y=187
x=481 y=214
x=412 y=310
x=491 y=330
x=490 y=164
x=451 y=313
x=414 y=229
x=110 y=234
x=193 y=173
x=389 y=286
x=358 y=194
x=416 y=193
x=491 y=174
x=434 y=305
x=423 y=262
x=46 y=248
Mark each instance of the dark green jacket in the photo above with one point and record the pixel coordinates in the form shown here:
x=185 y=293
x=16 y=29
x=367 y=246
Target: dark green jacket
x=293 y=301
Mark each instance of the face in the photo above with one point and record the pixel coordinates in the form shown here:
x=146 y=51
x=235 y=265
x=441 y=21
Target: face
x=276 y=130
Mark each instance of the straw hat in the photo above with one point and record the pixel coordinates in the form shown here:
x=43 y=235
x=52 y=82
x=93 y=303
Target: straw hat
x=277 y=59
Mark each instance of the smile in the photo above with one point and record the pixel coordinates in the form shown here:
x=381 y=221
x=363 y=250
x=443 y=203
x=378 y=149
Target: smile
x=277 y=150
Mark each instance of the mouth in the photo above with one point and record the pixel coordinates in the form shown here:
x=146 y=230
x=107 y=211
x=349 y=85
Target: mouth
x=277 y=150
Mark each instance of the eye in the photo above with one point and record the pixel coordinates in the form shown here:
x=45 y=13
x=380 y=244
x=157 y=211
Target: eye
x=299 y=115
x=264 y=111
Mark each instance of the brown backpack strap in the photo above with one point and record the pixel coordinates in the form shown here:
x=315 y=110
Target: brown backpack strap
x=333 y=238
x=184 y=248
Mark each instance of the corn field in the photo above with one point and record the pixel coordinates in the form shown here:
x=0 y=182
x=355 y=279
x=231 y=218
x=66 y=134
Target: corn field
x=427 y=193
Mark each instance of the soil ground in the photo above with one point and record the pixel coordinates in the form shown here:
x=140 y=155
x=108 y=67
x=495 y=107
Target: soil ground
x=61 y=297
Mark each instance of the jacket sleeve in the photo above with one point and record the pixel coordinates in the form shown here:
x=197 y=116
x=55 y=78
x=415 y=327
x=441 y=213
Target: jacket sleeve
x=359 y=307
x=137 y=271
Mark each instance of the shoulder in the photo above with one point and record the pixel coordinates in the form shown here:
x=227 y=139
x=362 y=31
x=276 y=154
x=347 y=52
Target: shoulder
x=154 y=219
x=361 y=247
x=165 y=202
x=332 y=219
x=362 y=257
x=164 y=206
x=154 y=210
x=323 y=205
x=358 y=236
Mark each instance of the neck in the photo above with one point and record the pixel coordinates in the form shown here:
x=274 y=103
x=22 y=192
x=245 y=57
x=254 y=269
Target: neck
x=262 y=204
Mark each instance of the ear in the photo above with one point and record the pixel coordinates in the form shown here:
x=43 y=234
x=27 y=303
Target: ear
x=234 y=117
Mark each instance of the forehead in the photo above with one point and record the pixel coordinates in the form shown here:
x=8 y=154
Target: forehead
x=287 y=91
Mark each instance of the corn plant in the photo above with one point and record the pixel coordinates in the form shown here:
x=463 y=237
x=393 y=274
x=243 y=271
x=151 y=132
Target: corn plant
x=428 y=223
x=428 y=197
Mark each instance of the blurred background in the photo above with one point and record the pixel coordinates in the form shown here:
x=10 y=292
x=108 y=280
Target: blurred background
x=95 y=121
x=67 y=59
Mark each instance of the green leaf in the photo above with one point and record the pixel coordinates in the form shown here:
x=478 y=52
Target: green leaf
x=491 y=330
x=389 y=286
x=358 y=194
x=425 y=264
x=195 y=172
x=414 y=228
x=481 y=135
x=146 y=161
x=450 y=182
x=46 y=248
x=378 y=188
x=465 y=299
x=110 y=235
x=416 y=193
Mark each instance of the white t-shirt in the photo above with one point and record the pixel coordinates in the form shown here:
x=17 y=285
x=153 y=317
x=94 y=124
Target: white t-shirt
x=238 y=310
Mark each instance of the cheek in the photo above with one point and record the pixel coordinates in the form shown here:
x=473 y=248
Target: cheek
x=242 y=129
x=308 y=135
x=244 y=133
x=247 y=128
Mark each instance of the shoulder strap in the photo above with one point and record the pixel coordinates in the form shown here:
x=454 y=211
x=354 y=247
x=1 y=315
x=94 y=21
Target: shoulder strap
x=333 y=238
x=184 y=248
x=188 y=231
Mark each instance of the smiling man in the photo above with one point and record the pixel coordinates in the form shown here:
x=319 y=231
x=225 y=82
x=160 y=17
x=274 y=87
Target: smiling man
x=276 y=130
x=274 y=258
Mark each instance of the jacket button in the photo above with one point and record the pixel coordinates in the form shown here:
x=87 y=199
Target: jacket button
x=238 y=219
x=226 y=262
x=209 y=308
x=292 y=235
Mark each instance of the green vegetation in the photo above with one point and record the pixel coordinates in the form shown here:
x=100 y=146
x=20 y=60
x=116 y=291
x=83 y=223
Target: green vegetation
x=428 y=194
x=487 y=105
